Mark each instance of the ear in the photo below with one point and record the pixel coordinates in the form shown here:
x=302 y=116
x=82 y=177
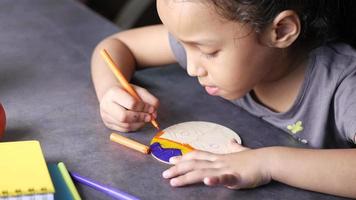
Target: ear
x=284 y=30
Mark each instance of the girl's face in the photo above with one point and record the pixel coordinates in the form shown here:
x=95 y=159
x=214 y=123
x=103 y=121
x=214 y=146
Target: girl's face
x=227 y=57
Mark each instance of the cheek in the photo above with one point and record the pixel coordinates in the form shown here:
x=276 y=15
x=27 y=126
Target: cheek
x=227 y=71
x=233 y=76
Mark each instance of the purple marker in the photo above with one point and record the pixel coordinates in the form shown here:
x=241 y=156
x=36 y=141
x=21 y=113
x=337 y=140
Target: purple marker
x=116 y=194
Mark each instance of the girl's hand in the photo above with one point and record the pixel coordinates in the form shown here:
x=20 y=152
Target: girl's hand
x=122 y=112
x=242 y=169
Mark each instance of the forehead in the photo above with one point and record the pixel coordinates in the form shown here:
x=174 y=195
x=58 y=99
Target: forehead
x=185 y=8
x=185 y=18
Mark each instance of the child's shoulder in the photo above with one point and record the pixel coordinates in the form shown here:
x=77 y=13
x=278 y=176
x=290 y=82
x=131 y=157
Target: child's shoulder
x=343 y=49
x=336 y=50
x=338 y=56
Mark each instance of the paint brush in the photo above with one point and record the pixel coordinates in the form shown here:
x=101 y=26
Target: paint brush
x=121 y=78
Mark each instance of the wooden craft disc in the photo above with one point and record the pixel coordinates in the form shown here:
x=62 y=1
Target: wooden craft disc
x=182 y=138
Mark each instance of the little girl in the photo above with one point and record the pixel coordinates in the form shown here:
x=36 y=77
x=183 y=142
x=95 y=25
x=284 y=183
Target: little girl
x=289 y=62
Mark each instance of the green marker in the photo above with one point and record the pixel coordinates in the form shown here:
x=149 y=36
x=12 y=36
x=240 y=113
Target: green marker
x=68 y=180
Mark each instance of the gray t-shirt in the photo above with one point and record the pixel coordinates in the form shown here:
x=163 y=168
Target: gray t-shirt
x=324 y=112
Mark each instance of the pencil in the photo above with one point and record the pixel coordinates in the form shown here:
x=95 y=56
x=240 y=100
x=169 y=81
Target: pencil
x=121 y=78
x=129 y=143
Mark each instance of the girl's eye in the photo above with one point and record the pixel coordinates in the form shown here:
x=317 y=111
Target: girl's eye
x=210 y=55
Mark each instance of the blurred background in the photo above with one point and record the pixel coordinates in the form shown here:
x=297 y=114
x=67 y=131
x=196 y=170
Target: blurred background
x=126 y=13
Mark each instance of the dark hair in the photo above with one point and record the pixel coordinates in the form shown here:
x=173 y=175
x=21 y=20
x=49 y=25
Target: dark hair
x=322 y=21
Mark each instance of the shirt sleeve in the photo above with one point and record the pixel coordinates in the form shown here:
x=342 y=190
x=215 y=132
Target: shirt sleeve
x=345 y=105
x=178 y=51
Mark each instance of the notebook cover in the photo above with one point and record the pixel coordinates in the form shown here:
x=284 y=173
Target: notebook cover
x=23 y=169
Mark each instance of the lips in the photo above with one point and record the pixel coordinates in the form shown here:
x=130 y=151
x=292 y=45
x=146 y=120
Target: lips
x=212 y=90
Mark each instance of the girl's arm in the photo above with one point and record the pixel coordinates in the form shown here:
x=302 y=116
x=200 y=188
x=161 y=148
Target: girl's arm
x=131 y=49
x=328 y=171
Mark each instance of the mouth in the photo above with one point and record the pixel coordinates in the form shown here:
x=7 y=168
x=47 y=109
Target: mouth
x=212 y=90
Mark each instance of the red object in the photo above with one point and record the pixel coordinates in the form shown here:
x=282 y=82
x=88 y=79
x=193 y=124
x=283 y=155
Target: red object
x=2 y=121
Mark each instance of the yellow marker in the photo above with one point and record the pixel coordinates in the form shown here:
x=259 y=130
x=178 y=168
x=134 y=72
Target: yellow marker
x=73 y=190
x=121 y=78
x=129 y=143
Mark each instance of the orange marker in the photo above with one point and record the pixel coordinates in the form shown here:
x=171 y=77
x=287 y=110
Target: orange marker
x=129 y=143
x=121 y=78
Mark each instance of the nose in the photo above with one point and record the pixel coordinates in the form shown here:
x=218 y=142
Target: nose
x=194 y=68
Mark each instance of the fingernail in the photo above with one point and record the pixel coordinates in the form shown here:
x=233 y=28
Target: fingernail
x=165 y=174
x=171 y=160
x=233 y=141
x=174 y=160
x=151 y=109
x=147 y=118
x=206 y=181
x=174 y=182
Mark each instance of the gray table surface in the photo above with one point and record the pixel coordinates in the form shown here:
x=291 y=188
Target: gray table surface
x=46 y=89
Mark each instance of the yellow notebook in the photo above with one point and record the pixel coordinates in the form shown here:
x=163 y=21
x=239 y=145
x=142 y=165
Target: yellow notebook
x=23 y=170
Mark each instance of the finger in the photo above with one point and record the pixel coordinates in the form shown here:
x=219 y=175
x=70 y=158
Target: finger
x=132 y=126
x=174 y=160
x=211 y=181
x=234 y=146
x=113 y=123
x=124 y=99
x=124 y=127
x=116 y=127
x=199 y=155
x=228 y=180
x=192 y=177
x=135 y=117
x=185 y=167
x=107 y=117
x=147 y=97
x=118 y=114
x=148 y=108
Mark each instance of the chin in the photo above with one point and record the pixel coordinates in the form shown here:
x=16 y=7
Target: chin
x=232 y=97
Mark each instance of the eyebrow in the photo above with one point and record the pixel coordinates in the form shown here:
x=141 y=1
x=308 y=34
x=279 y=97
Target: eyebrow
x=199 y=42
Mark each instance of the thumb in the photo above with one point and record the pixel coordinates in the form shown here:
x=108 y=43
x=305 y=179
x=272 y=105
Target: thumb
x=228 y=180
x=234 y=146
x=231 y=181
